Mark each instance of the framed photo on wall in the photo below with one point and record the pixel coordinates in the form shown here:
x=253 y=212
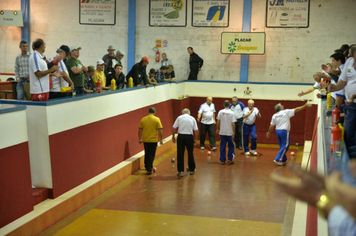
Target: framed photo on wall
x=287 y=14
x=168 y=13
x=93 y=12
x=210 y=13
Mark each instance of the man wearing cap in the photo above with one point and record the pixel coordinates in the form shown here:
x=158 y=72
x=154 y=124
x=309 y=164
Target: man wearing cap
x=76 y=70
x=66 y=49
x=99 y=74
x=119 y=56
x=108 y=60
x=281 y=120
x=39 y=72
x=151 y=76
x=138 y=72
x=64 y=80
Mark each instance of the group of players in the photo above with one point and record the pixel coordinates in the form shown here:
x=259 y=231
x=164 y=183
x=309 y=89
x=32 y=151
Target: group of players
x=233 y=123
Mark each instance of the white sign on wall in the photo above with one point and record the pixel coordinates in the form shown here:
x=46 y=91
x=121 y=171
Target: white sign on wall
x=243 y=43
x=97 y=12
x=210 y=13
x=287 y=13
x=168 y=13
x=11 y=18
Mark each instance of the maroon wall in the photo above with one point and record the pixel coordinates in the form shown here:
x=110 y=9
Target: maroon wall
x=15 y=183
x=84 y=152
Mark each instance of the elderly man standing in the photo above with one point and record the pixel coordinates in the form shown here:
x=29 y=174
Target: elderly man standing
x=225 y=126
x=237 y=107
x=149 y=130
x=207 y=115
x=187 y=130
x=281 y=120
x=250 y=114
x=76 y=70
x=22 y=69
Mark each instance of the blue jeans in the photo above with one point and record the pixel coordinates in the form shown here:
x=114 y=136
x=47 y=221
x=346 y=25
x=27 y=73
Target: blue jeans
x=283 y=140
x=79 y=90
x=248 y=130
x=350 y=126
x=19 y=89
x=231 y=153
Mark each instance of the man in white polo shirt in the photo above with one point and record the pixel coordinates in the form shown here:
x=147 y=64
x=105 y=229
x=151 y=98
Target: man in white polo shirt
x=207 y=115
x=250 y=114
x=39 y=72
x=187 y=130
x=281 y=120
x=225 y=126
x=347 y=80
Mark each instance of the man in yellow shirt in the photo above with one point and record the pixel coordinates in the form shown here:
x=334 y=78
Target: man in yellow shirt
x=149 y=130
x=99 y=74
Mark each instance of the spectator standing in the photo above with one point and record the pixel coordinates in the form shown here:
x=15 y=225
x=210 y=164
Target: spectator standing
x=66 y=49
x=119 y=56
x=39 y=72
x=250 y=114
x=165 y=61
x=76 y=70
x=138 y=72
x=108 y=60
x=237 y=107
x=99 y=74
x=149 y=130
x=281 y=120
x=225 y=126
x=89 y=86
x=207 y=115
x=119 y=77
x=22 y=70
x=195 y=64
x=187 y=130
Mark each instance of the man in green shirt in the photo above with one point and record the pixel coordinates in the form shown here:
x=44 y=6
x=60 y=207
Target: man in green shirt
x=76 y=70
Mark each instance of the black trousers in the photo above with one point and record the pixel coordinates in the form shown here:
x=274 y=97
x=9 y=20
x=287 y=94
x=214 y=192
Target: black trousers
x=150 y=153
x=185 y=141
x=210 y=129
x=193 y=75
x=238 y=132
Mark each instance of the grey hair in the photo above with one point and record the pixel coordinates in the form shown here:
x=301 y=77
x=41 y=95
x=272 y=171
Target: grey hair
x=278 y=107
x=186 y=111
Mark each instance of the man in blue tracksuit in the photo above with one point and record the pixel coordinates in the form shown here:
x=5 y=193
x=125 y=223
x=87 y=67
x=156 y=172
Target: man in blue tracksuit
x=250 y=114
x=281 y=120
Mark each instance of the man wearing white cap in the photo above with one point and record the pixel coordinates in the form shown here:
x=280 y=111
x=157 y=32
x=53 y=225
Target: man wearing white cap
x=99 y=74
x=76 y=70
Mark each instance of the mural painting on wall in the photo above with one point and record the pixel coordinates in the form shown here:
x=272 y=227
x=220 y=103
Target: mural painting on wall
x=287 y=14
x=210 y=13
x=94 y=12
x=168 y=13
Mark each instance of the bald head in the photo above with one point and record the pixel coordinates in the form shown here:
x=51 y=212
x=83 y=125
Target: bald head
x=209 y=100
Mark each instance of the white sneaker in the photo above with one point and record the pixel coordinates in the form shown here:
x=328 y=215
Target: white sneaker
x=202 y=148
x=253 y=152
x=247 y=153
x=280 y=163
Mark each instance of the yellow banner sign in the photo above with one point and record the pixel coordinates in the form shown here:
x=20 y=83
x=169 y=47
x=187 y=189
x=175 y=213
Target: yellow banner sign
x=243 y=43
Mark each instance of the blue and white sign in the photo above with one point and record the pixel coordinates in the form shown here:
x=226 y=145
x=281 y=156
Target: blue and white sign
x=210 y=13
x=287 y=13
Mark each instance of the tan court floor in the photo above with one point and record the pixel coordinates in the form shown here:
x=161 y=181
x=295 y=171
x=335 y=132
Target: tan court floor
x=237 y=199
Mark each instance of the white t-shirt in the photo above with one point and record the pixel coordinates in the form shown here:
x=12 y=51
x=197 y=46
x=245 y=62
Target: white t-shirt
x=252 y=117
x=37 y=63
x=282 y=119
x=348 y=75
x=185 y=124
x=226 y=117
x=207 y=113
x=59 y=82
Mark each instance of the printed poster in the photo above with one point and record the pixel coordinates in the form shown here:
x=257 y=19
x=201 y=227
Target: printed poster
x=243 y=43
x=97 y=12
x=171 y=13
x=210 y=13
x=287 y=13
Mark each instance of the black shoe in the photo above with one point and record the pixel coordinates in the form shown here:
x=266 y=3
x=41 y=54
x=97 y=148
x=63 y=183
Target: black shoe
x=149 y=173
